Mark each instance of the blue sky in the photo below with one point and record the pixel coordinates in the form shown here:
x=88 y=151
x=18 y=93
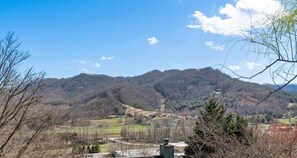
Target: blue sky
x=127 y=37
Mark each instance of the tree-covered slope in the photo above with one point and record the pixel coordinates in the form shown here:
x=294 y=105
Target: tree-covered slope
x=93 y=95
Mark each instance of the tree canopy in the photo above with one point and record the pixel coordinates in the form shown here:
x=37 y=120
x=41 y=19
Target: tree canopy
x=216 y=132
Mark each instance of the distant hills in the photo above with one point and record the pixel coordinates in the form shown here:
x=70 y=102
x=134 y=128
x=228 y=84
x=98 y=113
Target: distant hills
x=101 y=95
x=289 y=88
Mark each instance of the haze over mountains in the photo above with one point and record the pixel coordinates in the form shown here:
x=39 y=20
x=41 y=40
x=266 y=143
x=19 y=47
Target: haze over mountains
x=101 y=95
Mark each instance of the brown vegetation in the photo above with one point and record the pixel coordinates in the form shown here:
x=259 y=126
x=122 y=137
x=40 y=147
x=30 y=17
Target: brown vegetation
x=23 y=122
x=100 y=95
x=218 y=134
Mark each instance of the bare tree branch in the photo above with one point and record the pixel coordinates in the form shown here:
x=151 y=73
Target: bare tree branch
x=20 y=95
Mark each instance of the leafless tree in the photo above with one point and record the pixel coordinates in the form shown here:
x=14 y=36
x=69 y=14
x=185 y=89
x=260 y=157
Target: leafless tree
x=274 y=42
x=21 y=120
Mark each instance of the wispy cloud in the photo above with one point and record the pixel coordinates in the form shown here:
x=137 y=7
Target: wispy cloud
x=234 y=67
x=84 y=65
x=244 y=14
x=215 y=46
x=253 y=65
x=152 y=40
x=96 y=65
x=82 y=62
x=107 y=58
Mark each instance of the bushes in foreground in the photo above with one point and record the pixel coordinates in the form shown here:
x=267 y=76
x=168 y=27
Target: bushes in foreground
x=86 y=149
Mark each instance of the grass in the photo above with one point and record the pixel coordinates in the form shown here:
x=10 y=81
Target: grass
x=140 y=127
x=104 y=148
x=115 y=129
x=111 y=126
x=111 y=121
x=287 y=121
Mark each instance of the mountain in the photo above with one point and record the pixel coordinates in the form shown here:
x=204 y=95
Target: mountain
x=288 y=88
x=101 y=95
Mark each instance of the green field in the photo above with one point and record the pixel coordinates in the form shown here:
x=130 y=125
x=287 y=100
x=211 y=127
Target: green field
x=111 y=126
x=287 y=121
x=104 y=148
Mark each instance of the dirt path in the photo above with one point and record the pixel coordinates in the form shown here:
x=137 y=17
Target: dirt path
x=162 y=106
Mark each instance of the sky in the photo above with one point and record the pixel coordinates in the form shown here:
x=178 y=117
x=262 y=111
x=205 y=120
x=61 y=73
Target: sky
x=132 y=37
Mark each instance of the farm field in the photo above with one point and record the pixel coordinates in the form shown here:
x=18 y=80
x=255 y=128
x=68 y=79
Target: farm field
x=287 y=120
x=112 y=126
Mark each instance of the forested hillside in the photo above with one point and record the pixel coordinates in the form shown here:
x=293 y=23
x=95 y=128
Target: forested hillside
x=101 y=95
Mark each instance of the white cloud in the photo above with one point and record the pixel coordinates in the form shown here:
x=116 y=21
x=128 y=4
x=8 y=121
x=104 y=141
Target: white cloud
x=152 y=40
x=96 y=65
x=82 y=62
x=234 y=67
x=107 y=58
x=215 y=46
x=253 y=65
x=244 y=14
x=85 y=66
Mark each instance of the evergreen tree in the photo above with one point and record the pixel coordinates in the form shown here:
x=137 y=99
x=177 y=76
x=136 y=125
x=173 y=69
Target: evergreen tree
x=215 y=132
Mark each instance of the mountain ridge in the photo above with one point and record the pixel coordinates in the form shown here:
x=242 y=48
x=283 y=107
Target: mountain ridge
x=97 y=95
